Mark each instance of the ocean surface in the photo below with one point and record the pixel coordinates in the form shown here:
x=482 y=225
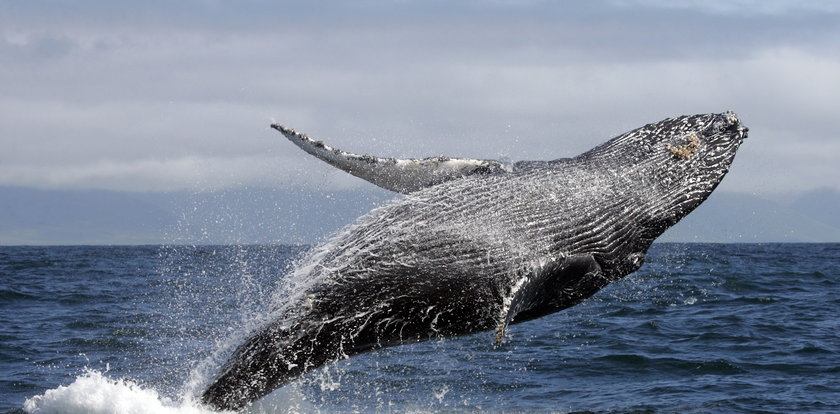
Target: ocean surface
x=701 y=328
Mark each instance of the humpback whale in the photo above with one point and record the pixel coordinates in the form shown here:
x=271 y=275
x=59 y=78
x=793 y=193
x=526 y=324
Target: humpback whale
x=477 y=245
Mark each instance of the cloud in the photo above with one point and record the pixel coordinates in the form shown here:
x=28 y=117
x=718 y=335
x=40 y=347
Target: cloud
x=160 y=96
x=191 y=173
x=739 y=7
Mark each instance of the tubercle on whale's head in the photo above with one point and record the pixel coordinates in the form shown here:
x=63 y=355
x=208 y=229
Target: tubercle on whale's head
x=722 y=136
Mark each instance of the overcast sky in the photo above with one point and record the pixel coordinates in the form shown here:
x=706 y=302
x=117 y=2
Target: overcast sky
x=161 y=95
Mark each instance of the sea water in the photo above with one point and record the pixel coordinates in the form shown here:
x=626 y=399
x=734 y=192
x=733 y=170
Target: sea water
x=700 y=328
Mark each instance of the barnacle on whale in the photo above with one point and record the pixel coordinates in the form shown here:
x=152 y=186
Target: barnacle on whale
x=687 y=150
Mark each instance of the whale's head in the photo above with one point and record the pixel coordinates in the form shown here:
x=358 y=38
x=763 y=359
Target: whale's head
x=689 y=157
x=674 y=164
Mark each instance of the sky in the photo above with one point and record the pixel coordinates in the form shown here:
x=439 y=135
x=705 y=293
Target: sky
x=168 y=96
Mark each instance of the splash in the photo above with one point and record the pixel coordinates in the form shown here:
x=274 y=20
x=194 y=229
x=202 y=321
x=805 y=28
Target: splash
x=95 y=393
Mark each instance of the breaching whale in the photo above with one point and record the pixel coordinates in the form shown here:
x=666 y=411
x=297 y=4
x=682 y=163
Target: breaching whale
x=476 y=245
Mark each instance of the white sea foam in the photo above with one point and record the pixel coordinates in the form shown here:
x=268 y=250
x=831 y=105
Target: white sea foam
x=95 y=393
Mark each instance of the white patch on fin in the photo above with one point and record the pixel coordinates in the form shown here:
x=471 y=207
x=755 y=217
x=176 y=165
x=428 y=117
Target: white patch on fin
x=400 y=175
x=534 y=273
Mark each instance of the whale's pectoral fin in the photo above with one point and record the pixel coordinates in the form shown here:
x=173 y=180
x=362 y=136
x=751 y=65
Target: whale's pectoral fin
x=551 y=287
x=400 y=175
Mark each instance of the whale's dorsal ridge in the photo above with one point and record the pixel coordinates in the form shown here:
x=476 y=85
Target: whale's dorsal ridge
x=400 y=175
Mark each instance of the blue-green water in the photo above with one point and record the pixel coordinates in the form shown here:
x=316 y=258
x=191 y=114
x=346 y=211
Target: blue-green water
x=700 y=328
